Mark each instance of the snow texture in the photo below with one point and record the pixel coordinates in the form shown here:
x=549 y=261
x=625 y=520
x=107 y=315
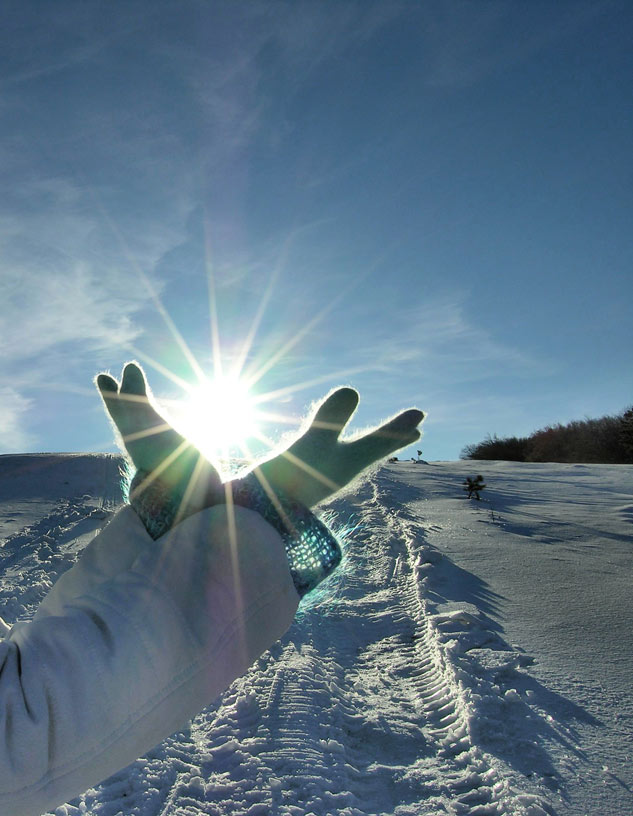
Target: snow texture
x=470 y=658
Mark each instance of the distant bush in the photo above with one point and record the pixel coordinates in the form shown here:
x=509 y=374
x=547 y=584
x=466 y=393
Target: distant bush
x=608 y=440
x=511 y=449
x=626 y=434
x=591 y=440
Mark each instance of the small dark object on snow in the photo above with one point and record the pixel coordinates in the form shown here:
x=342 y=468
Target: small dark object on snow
x=473 y=486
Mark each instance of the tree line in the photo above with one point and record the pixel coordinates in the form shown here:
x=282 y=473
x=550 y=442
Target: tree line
x=607 y=440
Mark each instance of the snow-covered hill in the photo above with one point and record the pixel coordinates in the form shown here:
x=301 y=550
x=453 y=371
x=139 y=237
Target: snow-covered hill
x=471 y=658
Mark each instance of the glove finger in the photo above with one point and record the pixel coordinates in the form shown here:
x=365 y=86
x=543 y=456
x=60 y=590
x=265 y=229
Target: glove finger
x=107 y=385
x=133 y=380
x=399 y=432
x=108 y=388
x=152 y=444
x=336 y=411
x=129 y=406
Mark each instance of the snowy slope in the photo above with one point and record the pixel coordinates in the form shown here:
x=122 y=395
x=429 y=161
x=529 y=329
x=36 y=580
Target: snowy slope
x=474 y=657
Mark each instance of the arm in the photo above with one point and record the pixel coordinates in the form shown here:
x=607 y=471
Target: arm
x=130 y=644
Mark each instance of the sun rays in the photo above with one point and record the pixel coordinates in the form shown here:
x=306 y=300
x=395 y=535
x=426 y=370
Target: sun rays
x=219 y=421
x=224 y=413
x=222 y=409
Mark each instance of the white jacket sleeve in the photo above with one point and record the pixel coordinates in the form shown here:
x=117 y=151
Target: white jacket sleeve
x=130 y=644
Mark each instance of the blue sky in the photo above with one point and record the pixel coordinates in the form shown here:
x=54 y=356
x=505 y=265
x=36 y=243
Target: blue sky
x=428 y=201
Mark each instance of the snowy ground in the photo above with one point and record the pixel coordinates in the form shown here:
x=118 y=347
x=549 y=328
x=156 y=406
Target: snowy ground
x=474 y=658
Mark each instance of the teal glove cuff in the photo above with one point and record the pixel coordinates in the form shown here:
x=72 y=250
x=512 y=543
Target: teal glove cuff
x=312 y=550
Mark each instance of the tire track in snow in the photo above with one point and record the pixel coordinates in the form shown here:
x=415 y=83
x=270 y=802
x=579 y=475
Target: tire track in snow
x=474 y=779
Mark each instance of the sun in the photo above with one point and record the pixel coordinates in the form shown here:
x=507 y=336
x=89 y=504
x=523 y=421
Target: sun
x=219 y=416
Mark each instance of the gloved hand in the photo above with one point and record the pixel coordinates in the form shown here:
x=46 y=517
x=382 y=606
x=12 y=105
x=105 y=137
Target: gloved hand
x=174 y=480
x=313 y=468
x=319 y=464
x=155 y=448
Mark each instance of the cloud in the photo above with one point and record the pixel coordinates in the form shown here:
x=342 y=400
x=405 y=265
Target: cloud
x=72 y=295
x=64 y=275
x=280 y=43
x=440 y=337
x=51 y=324
x=42 y=310
x=13 y=407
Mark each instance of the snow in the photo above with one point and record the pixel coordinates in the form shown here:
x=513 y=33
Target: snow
x=470 y=658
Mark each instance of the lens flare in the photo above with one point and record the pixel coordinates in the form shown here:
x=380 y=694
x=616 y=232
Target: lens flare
x=219 y=416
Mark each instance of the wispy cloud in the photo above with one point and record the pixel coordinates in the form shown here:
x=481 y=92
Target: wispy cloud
x=440 y=336
x=51 y=324
x=64 y=275
x=48 y=310
x=70 y=294
x=229 y=84
x=13 y=407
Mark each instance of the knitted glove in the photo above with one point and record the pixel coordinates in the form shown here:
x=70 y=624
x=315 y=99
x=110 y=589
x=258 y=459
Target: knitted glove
x=174 y=480
x=318 y=464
